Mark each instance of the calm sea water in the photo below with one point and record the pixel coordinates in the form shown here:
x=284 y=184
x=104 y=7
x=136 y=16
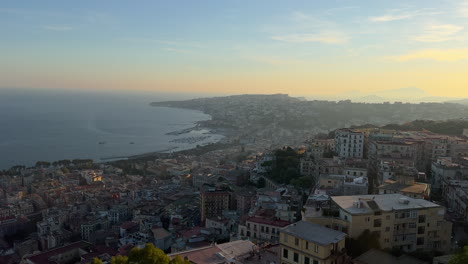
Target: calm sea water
x=50 y=125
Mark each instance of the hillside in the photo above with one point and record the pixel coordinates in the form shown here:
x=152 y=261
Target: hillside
x=449 y=127
x=280 y=117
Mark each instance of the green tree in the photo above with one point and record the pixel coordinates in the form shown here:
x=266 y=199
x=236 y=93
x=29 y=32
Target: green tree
x=119 y=260
x=261 y=183
x=147 y=255
x=461 y=257
x=96 y=261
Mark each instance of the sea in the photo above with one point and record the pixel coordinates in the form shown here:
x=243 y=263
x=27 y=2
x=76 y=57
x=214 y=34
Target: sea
x=50 y=125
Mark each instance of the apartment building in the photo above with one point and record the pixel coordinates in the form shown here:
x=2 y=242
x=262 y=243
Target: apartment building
x=444 y=170
x=349 y=143
x=407 y=153
x=308 y=243
x=400 y=221
x=263 y=229
x=455 y=193
x=213 y=202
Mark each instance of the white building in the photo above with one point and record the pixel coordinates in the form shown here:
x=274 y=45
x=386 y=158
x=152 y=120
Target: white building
x=349 y=143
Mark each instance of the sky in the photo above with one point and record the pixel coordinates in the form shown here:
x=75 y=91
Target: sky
x=235 y=47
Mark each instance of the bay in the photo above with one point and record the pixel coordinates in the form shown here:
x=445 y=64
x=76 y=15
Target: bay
x=48 y=125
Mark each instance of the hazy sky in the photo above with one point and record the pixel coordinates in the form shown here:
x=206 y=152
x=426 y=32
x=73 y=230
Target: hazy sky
x=295 y=47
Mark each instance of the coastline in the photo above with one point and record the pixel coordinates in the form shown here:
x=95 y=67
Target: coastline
x=187 y=139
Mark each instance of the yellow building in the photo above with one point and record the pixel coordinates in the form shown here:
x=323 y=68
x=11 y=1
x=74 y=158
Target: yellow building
x=308 y=243
x=400 y=221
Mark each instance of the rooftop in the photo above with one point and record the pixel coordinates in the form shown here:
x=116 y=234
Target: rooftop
x=364 y=204
x=376 y=256
x=220 y=253
x=417 y=187
x=314 y=233
x=260 y=220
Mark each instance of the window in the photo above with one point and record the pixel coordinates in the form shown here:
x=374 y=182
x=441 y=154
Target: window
x=387 y=229
x=421 y=230
x=377 y=222
x=306 y=260
x=422 y=219
x=316 y=248
x=285 y=253
x=420 y=241
x=315 y=262
x=307 y=245
x=296 y=241
x=296 y=257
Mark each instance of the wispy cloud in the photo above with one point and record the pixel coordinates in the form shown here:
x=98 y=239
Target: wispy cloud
x=272 y=60
x=463 y=9
x=57 y=28
x=440 y=33
x=327 y=37
x=175 y=43
x=449 y=55
x=180 y=51
x=402 y=14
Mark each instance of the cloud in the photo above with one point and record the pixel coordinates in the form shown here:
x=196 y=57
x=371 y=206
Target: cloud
x=327 y=37
x=463 y=9
x=401 y=14
x=439 y=33
x=273 y=60
x=178 y=51
x=449 y=55
x=165 y=42
x=57 y=28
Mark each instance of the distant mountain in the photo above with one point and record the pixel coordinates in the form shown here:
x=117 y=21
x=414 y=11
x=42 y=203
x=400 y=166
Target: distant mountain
x=371 y=99
x=461 y=101
x=406 y=94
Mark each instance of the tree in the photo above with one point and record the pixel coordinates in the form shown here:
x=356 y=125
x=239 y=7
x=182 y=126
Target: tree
x=261 y=183
x=461 y=257
x=96 y=261
x=147 y=255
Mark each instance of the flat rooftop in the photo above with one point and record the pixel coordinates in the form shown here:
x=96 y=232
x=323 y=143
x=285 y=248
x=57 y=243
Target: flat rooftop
x=382 y=202
x=314 y=233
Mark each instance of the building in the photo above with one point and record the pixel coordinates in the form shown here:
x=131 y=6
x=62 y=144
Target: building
x=418 y=190
x=400 y=221
x=349 y=143
x=455 y=193
x=308 y=243
x=444 y=170
x=373 y=256
x=244 y=201
x=239 y=251
x=343 y=185
x=162 y=238
x=78 y=252
x=259 y=228
x=213 y=203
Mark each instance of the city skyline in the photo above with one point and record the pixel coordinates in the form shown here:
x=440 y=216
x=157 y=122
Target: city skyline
x=299 y=47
